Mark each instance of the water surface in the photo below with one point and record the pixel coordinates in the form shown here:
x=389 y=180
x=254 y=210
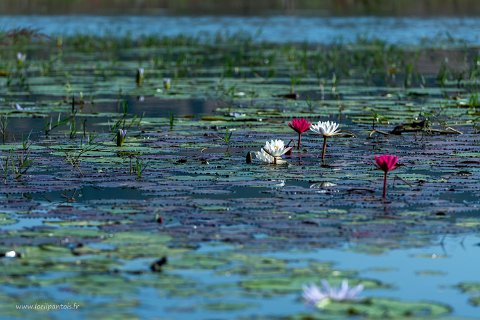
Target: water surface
x=279 y=29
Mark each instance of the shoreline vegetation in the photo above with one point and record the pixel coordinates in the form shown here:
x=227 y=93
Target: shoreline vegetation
x=423 y=8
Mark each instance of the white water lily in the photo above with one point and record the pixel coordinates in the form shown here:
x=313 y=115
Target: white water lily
x=264 y=157
x=272 y=152
x=319 y=297
x=326 y=129
x=276 y=148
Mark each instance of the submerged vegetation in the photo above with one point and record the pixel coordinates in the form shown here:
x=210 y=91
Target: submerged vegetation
x=133 y=181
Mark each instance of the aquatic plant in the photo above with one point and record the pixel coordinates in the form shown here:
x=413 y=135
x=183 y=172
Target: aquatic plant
x=300 y=125
x=121 y=136
x=167 y=84
x=473 y=101
x=272 y=152
x=263 y=156
x=248 y=157
x=17 y=164
x=10 y=254
x=73 y=120
x=140 y=167
x=377 y=118
x=476 y=125
x=140 y=76
x=294 y=80
x=326 y=129
x=442 y=75
x=21 y=58
x=321 y=296
x=386 y=163
x=171 y=120
x=408 y=75
x=50 y=125
x=227 y=138
x=3 y=127
x=74 y=154
x=310 y=104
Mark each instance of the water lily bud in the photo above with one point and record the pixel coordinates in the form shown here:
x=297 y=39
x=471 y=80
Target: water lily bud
x=21 y=57
x=121 y=136
x=11 y=254
x=167 y=84
x=249 y=157
x=140 y=76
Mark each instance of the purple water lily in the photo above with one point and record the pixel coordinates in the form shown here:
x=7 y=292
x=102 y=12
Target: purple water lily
x=316 y=296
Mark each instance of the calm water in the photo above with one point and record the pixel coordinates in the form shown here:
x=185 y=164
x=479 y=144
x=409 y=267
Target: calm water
x=426 y=273
x=275 y=29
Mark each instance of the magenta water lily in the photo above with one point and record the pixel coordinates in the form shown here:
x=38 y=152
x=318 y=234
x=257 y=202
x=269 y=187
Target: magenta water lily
x=300 y=125
x=386 y=163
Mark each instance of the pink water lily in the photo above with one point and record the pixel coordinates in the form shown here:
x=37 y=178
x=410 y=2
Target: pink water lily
x=300 y=125
x=386 y=163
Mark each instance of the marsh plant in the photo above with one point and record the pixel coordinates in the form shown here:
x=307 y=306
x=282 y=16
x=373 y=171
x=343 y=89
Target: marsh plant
x=334 y=82
x=442 y=75
x=171 y=120
x=74 y=154
x=473 y=101
x=294 y=81
x=377 y=118
x=123 y=123
x=310 y=104
x=476 y=125
x=4 y=127
x=17 y=163
x=408 y=75
x=140 y=167
x=50 y=124
x=227 y=138
x=73 y=120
